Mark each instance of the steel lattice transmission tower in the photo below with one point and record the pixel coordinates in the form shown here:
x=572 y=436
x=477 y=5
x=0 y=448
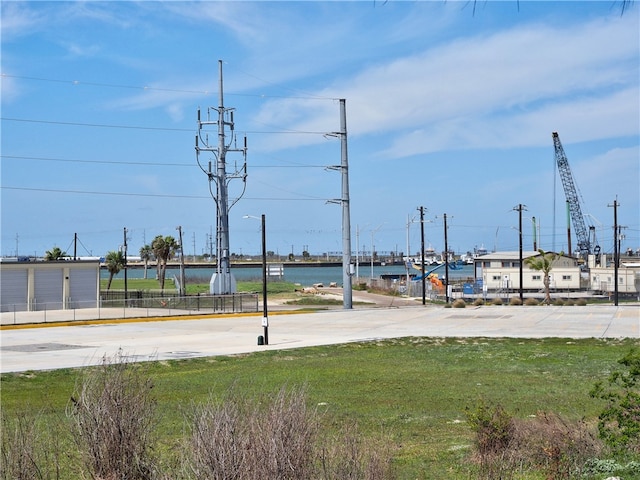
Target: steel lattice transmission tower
x=222 y=281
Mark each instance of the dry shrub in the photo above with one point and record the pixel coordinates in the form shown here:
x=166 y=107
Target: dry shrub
x=531 y=301
x=547 y=442
x=496 y=301
x=277 y=438
x=555 y=445
x=478 y=302
x=112 y=411
x=29 y=449
x=283 y=434
x=346 y=456
x=219 y=441
x=515 y=301
x=459 y=303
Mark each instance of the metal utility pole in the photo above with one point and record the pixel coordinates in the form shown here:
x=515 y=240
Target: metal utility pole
x=347 y=273
x=183 y=287
x=265 y=315
x=424 y=285
x=519 y=209
x=124 y=247
x=347 y=267
x=222 y=281
x=616 y=253
x=446 y=262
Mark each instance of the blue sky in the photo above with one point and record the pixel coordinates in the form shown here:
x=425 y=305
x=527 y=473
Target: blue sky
x=450 y=105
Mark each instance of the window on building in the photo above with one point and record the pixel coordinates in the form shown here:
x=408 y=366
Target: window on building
x=496 y=278
x=566 y=278
x=536 y=278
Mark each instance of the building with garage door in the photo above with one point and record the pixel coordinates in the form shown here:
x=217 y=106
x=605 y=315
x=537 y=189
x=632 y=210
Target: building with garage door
x=55 y=285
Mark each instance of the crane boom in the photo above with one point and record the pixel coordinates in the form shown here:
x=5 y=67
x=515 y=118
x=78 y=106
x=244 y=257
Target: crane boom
x=571 y=193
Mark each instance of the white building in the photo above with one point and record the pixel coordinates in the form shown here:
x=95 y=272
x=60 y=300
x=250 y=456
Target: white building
x=603 y=280
x=501 y=271
x=42 y=285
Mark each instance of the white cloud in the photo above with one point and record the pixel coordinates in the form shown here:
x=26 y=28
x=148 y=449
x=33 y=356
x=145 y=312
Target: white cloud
x=467 y=91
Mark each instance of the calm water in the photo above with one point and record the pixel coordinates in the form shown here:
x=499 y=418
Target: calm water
x=307 y=275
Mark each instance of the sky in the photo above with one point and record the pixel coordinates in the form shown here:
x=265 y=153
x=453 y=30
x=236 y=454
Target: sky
x=450 y=105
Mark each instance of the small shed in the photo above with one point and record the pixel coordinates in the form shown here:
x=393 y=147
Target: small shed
x=48 y=285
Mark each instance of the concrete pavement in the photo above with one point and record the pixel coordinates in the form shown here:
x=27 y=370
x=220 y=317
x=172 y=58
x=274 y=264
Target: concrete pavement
x=46 y=347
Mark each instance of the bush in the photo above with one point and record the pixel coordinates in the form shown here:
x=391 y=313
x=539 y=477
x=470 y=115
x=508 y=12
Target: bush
x=581 y=302
x=459 y=303
x=515 y=301
x=619 y=422
x=29 y=449
x=113 y=410
x=478 y=302
x=531 y=301
x=558 y=302
x=496 y=301
x=547 y=442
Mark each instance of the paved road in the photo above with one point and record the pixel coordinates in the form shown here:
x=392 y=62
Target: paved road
x=52 y=347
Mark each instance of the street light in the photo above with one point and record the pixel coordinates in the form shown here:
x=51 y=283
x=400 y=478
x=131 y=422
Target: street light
x=265 y=317
x=519 y=208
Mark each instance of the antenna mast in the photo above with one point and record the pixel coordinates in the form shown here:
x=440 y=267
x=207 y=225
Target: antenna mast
x=222 y=281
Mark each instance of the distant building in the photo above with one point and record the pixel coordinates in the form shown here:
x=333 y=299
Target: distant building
x=501 y=271
x=603 y=280
x=55 y=285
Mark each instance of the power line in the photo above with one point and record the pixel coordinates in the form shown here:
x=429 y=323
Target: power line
x=153 y=195
x=304 y=95
x=137 y=127
x=101 y=125
x=151 y=164
x=107 y=162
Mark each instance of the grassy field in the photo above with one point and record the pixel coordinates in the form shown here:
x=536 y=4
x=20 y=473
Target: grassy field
x=415 y=390
x=195 y=288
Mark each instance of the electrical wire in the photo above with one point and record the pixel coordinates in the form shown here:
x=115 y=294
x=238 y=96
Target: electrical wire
x=152 y=195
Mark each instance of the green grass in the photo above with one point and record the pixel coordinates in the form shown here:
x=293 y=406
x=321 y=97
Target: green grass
x=195 y=288
x=415 y=389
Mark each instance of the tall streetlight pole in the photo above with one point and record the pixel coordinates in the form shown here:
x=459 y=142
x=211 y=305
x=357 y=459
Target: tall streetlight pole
x=424 y=285
x=265 y=315
x=183 y=287
x=124 y=247
x=446 y=262
x=616 y=253
x=519 y=209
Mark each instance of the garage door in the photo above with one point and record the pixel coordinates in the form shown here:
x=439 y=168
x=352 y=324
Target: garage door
x=13 y=290
x=48 y=289
x=83 y=283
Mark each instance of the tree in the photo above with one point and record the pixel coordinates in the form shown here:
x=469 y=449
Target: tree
x=544 y=263
x=54 y=254
x=146 y=254
x=164 y=248
x=115 y=262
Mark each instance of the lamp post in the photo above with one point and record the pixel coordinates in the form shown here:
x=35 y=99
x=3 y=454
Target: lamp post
x=265 y=316
x=424 y=285
x=519 y=208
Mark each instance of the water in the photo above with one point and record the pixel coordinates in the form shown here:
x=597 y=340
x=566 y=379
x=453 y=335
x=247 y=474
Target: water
x=304 y=275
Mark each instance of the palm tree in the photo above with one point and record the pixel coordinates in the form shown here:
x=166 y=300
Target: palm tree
x=544 y=263
x=54 y=254
x=115 y=262
x=164 y=248
x=146 y=254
